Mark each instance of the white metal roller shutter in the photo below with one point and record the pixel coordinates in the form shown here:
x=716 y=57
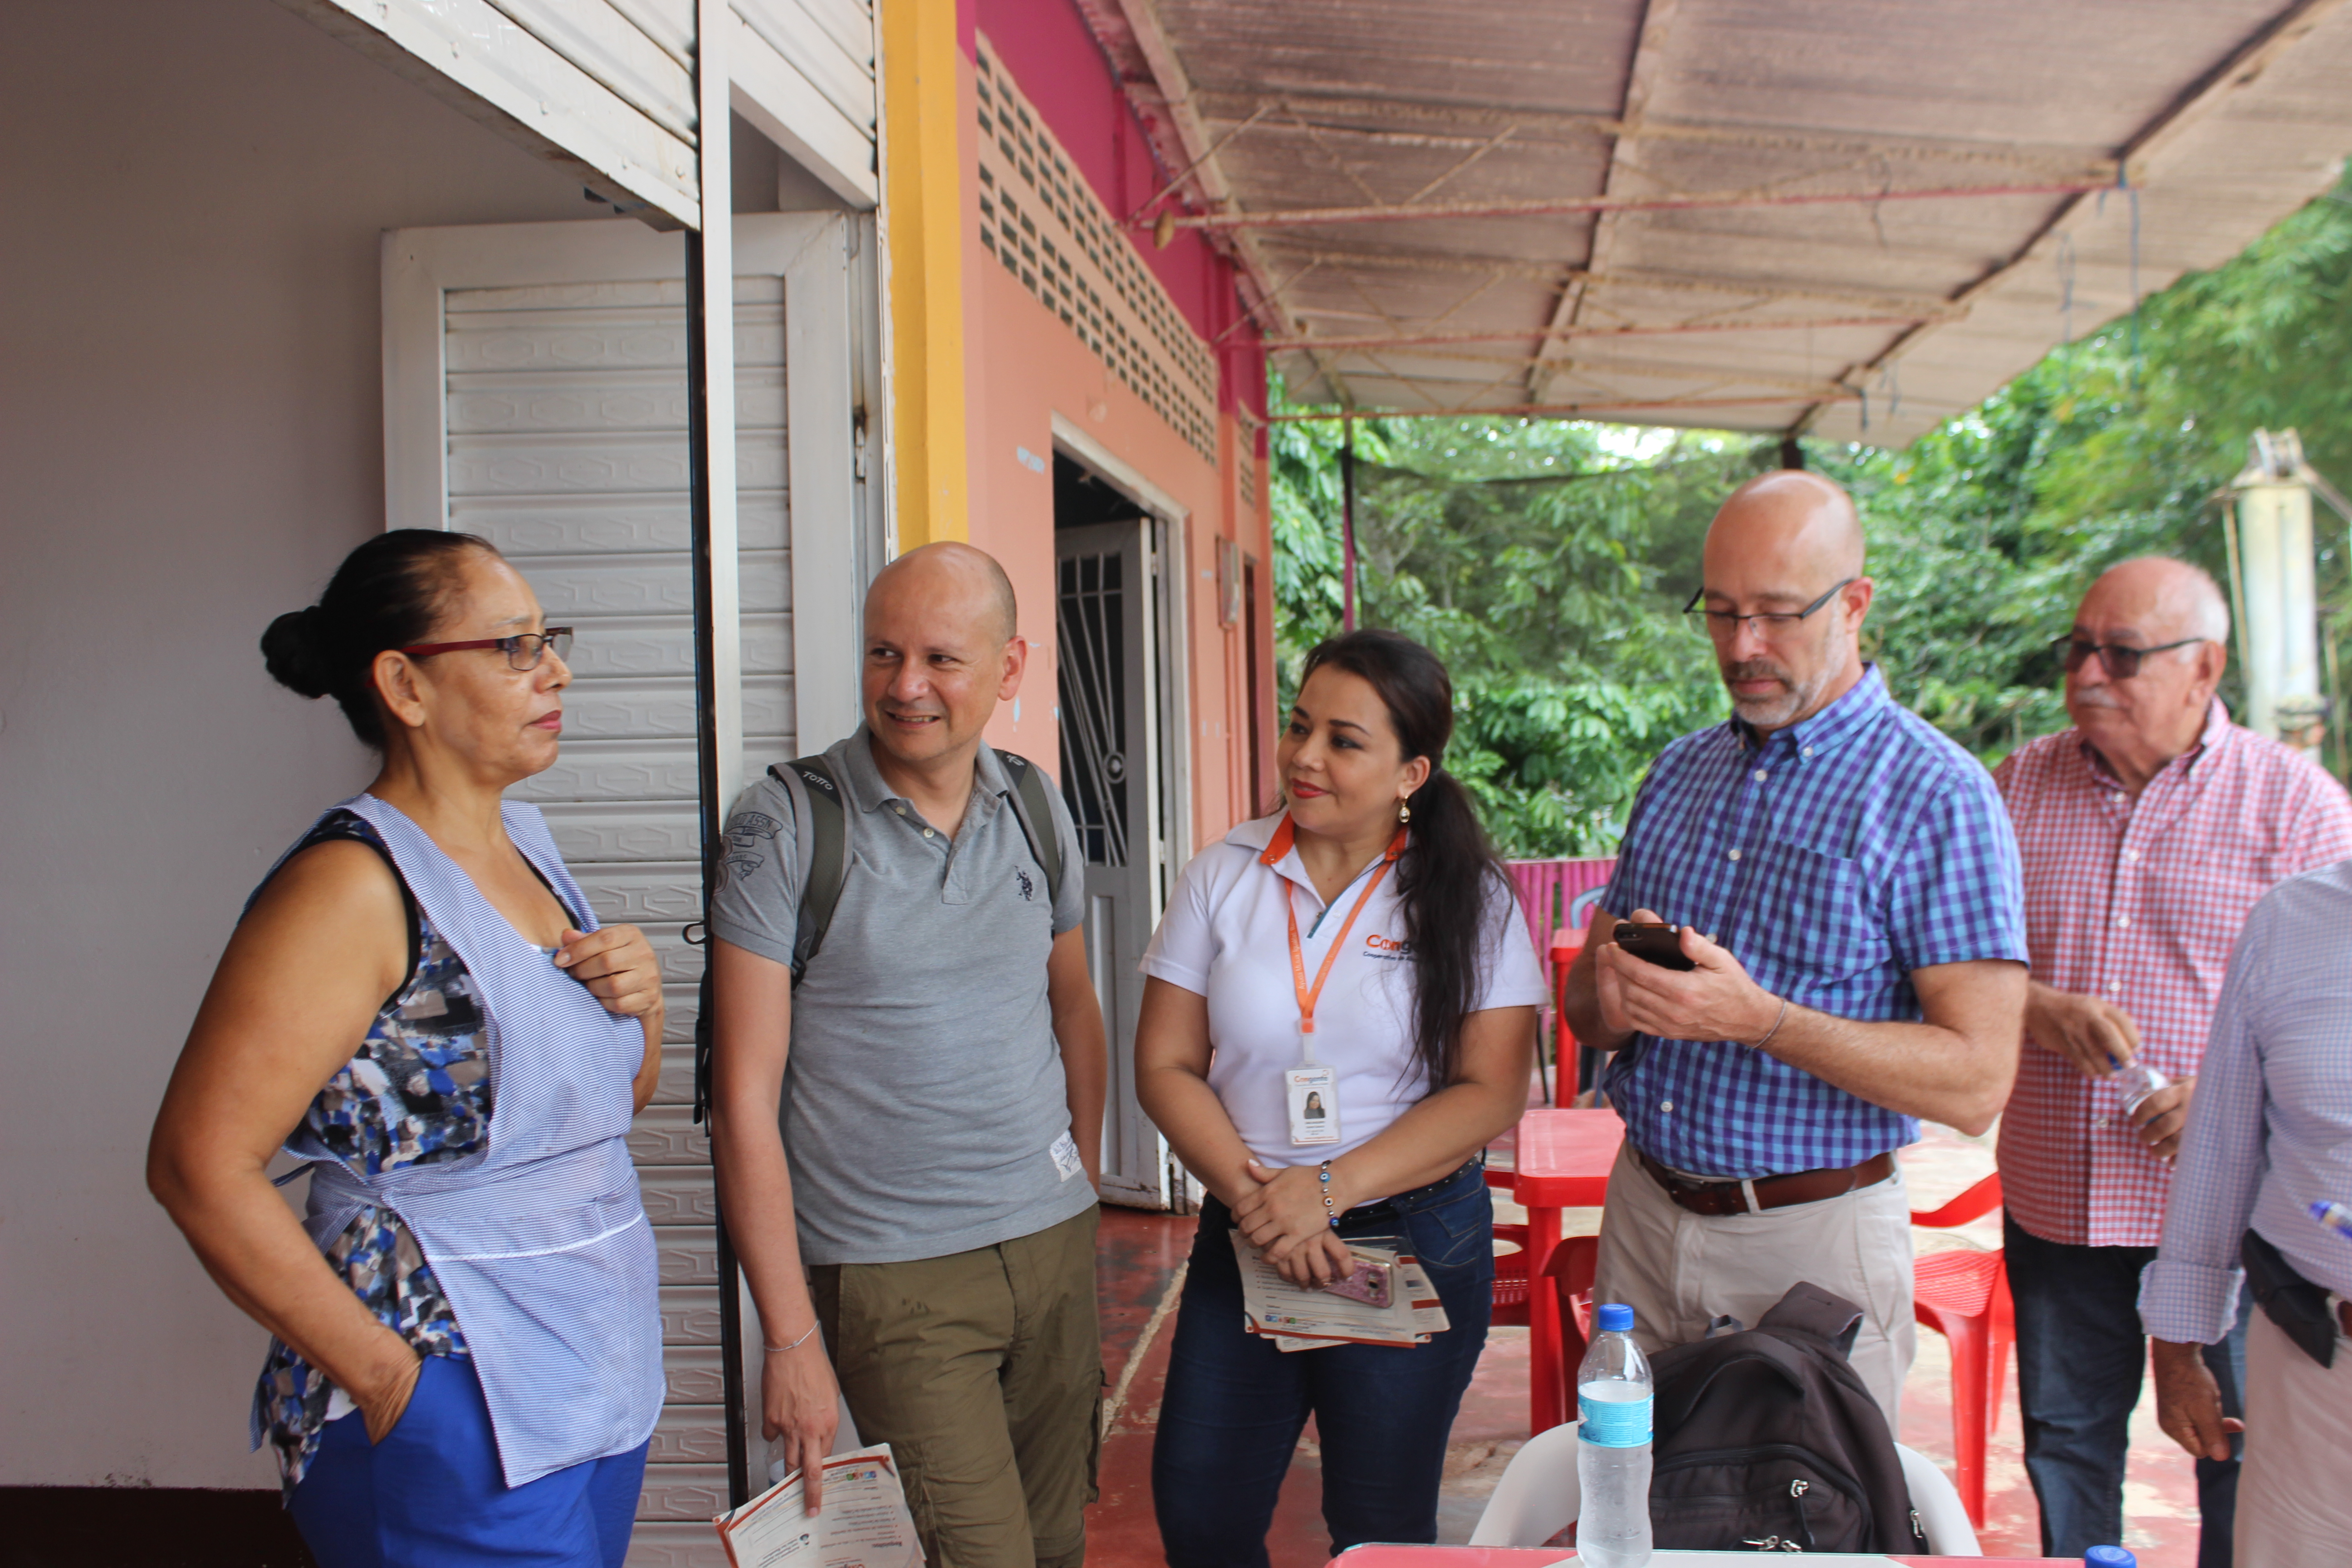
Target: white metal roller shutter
x=567 y=420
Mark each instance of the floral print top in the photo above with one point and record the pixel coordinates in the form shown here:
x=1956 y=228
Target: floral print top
x=418 y=1091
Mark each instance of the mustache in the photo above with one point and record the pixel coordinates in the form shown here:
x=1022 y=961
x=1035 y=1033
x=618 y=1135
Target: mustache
x=2094 y=697
x=1754 y=669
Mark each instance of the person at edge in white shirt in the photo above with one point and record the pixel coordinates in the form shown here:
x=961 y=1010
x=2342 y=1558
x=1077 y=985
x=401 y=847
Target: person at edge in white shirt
x=1372 y=907
x=2270 y=1138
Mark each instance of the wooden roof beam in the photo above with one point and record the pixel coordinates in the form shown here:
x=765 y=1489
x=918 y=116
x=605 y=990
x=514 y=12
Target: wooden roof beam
x=1657 y=21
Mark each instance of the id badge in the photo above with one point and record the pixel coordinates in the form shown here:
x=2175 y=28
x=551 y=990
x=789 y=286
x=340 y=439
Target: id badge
x=1313 y=1096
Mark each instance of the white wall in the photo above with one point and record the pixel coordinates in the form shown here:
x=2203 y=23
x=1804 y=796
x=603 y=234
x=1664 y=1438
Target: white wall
x=190 y=439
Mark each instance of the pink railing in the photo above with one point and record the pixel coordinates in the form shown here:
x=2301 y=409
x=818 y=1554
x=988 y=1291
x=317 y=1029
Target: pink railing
x=1557 y=895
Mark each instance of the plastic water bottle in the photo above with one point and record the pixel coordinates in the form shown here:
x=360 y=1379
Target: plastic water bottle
x=1613 y=1448
x=2109 y=1557
x=2136 y=1080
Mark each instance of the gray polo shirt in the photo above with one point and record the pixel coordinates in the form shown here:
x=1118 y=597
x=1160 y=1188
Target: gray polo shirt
x=924 y=1093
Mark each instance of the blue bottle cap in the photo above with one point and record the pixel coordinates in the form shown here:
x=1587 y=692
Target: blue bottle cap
x=2108 y=1557
x=1615 y=1318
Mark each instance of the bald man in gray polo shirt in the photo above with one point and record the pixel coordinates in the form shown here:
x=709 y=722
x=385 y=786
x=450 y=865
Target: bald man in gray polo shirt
x=908 y=1144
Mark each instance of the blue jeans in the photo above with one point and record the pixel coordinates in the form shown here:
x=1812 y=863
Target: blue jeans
x=1235 y=1405
x=431 y=1491
x=2080 y=1357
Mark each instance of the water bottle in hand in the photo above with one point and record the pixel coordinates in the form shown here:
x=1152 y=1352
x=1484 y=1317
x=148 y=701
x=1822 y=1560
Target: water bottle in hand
x=1613 y=1448
x=2136 y=1080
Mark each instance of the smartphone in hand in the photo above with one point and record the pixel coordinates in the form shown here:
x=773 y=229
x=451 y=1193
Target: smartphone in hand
x=1652 y=941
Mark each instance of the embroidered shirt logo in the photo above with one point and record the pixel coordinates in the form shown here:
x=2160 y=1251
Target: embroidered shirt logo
x=1387 y=947
x=1028 y=889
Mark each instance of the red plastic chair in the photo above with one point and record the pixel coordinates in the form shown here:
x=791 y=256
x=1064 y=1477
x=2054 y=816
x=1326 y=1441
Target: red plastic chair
x=1571 y=1269
x=1510 y=1274
x=1963 y=1295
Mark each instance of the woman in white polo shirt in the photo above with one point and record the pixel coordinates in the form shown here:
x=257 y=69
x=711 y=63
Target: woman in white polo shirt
x=1362 y=948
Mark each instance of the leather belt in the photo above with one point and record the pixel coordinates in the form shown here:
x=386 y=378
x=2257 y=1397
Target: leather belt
x=2343 y=1318
x=1766 y=1192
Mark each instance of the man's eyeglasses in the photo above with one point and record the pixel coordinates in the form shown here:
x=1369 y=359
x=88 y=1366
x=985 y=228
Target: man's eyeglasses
x=2121 y=659
x=523 y=650
x=1724 y=624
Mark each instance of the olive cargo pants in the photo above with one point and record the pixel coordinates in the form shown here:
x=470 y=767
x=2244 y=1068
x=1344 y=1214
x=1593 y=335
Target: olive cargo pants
x=983 y=1370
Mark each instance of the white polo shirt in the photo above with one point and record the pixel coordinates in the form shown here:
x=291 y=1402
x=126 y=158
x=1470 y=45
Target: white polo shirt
x=1226 y=937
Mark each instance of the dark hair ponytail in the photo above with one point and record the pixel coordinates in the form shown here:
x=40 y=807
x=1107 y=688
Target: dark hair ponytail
x=389 y=592
x=1448 y=869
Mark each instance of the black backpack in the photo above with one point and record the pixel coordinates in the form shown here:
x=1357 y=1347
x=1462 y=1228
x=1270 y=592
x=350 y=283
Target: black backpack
x=821 y=831
x=1767 y=1440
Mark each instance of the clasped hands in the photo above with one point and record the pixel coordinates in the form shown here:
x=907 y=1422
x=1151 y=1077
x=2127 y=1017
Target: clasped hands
x=1713 y=1001
x=617 y=965
x=1284 y=1217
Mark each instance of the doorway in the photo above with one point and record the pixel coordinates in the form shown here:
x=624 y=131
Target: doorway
x=1117 y=745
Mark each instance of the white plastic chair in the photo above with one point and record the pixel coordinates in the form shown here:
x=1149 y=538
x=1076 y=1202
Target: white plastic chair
x=1937 y=1503
x=1539 y=1496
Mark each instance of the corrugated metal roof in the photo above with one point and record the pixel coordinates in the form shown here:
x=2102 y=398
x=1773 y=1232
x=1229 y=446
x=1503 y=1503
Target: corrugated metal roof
x=1779 y=243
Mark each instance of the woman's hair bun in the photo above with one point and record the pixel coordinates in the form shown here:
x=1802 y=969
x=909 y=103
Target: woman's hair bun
x=291 y=652
x=389 y=592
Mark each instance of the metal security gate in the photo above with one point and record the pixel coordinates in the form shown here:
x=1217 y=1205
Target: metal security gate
x=1114 y=751
x=551 y=361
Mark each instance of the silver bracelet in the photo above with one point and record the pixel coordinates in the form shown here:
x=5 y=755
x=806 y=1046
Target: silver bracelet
x=778 y=1349
x=1781 y=1019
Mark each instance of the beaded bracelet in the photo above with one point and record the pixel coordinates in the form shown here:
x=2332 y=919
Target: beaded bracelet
x=1324 y=1176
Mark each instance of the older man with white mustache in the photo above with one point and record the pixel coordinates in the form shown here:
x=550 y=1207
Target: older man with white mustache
x=2147 y=833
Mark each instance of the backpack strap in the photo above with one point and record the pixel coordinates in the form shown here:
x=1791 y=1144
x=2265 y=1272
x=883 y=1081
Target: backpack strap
x=820 y=842
x=821 y=836
x=1808 y=1308
x=1035 y=812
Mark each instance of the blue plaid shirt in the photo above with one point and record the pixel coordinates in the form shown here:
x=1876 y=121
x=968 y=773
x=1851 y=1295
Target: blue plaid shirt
x=1831 y=861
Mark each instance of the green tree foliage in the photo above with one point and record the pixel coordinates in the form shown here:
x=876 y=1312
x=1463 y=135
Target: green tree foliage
x=1547 y=563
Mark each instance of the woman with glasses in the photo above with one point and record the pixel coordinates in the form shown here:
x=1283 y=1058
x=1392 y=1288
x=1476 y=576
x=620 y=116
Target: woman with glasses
x=1340 y=1012
x=465 y=1359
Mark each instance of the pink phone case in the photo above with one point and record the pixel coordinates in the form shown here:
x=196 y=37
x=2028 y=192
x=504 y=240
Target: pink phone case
x=1368 y=1284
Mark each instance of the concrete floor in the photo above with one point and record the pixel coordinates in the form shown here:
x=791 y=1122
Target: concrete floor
x=1143 y=1254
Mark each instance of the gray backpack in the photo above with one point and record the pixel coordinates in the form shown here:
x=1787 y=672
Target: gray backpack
x=821 y=834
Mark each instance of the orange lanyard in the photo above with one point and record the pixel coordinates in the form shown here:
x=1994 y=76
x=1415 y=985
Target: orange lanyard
x=1308 y=998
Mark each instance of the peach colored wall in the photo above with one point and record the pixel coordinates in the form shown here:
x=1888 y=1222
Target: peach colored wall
x=1023 y=365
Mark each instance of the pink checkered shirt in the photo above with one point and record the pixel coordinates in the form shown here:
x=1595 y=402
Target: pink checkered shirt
x=2139 y=901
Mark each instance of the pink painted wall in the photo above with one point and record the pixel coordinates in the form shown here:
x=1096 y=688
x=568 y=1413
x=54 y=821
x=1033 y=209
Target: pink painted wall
x=1023 y=365
x=1051 y=52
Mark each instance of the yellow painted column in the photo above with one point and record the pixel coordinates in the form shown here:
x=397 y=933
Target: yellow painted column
x=922 y=212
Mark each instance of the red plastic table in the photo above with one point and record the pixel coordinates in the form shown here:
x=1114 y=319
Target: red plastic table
x=1562 y=1163
x=1372 y=1555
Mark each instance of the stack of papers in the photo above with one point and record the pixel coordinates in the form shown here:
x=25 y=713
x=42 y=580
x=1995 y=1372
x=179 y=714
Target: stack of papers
x=864 y=1522
x=1301 y=1317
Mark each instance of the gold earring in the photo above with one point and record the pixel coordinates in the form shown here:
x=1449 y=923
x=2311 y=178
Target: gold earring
x=1405 y=810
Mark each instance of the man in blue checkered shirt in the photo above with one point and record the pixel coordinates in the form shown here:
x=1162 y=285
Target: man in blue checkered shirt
x=1845 y=883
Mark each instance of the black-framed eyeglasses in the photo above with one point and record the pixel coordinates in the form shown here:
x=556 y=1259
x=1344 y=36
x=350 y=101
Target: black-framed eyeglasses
x=1724 y=623
x=2120 y=659
x=523 y=650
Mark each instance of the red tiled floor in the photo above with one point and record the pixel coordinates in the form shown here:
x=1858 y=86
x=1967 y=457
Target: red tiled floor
x=1143 y=1254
